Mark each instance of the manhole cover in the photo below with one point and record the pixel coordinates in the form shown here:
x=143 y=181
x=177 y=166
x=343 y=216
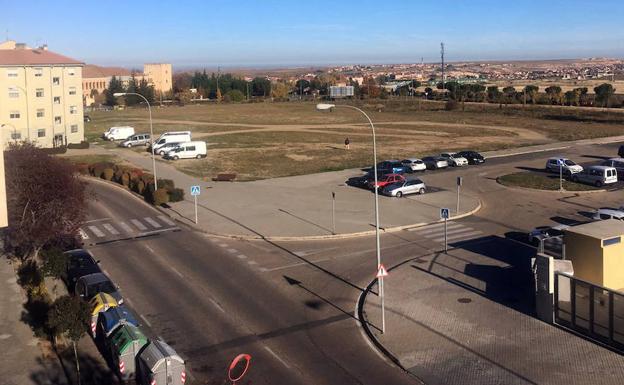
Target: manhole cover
x=464 y=300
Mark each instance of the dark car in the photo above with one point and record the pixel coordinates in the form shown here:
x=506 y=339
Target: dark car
x=89 y=285
x=361 y=181
x=621 y=151
x=87 y=118
x=80 y=262
x=472 y=157
x=392 y=166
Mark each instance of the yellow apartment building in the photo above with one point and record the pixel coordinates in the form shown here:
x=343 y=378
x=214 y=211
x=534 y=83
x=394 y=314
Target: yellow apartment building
x=40 y=96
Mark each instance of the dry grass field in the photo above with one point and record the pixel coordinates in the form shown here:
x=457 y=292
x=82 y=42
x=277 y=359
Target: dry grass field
x=262 y=140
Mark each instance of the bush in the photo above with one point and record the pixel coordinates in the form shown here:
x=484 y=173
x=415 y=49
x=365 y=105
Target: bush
x=160 y=196
x=125 y=179
x=176 y=195
x=98 y=168
x=451 y=105
x=167 y=184
x=55 y=150
x=139 y=187
x=81 y=145
x=234 y=96
x=82 y=168
x=54 y=262
x=108 y=174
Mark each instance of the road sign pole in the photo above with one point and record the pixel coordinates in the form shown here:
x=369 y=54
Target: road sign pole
x=560 y=176
x=333 y=213
x=195 y=209
x=195 y=191
x=457 y=210
x=383 y=306
x=445 y=236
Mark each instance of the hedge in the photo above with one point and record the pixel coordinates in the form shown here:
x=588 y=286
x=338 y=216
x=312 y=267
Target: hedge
x=81 y=145
x=55 y=150
x=136 y=180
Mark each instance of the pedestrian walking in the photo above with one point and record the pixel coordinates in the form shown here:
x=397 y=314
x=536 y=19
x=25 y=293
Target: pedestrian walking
x=347 y=143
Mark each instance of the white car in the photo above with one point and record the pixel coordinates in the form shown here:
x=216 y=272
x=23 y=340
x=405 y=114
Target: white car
x=414 y=164
x=608 y=213
x=454 y=160
x=406 y=187
x=568 y=167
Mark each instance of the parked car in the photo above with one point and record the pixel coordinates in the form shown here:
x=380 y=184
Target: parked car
x=171 y=137
x=80 y=262
x=454 y=160
x=86 y=118
x=545 y=232
x=385 y=179
x=617 y=163
x=392 y=166
x=136 y=140
x=89 y=285
x=361 y=181
x=568 y=167
x=621 y=151
x=118 y=133
x=435 y=162
x=596 y=175
x=608 y=213
x=472 y=157
x=187 y=150
x=398 y=189
x=414 y=164
x=166 y=148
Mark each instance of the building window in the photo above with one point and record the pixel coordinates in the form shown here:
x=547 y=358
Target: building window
x=12 y=73
x=57 y=120
x=73 y=110
x=41 y=133
x=16 y=135
x=56 y=81
x=57 y=100
x=40 y=113
x=74 y=128
x=611 y=241
x=71 y=72
x=39 y=92
x=13 y=93
x=38 y=72
x=14 y=115
x=72 y=90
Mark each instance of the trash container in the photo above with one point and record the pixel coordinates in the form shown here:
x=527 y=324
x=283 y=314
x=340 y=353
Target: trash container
x=111 y=319
x=125 y=343
x=159 y=364
x=99 y=303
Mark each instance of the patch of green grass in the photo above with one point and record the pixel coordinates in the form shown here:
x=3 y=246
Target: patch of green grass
x=541 y=182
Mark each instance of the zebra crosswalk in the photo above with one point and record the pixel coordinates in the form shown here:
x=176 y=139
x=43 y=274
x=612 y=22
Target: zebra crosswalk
x=455 y=232
x=103 y=230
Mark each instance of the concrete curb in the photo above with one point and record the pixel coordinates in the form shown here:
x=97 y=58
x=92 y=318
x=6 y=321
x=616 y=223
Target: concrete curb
x=549 y=191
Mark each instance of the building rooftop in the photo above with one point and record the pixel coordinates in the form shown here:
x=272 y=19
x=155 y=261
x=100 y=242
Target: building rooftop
x=600 y=229
x=33 y=57
x=93 y=71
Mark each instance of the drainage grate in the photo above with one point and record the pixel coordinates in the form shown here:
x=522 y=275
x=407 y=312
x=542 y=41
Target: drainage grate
x=464 y=300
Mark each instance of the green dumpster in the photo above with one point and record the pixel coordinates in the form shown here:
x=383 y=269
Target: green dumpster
x=126 y=342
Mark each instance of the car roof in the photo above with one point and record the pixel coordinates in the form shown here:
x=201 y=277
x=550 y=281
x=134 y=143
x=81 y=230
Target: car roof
x=94 y=278
x=411 y=159
x=616 y=159
x=601 y=167
x=610 y=211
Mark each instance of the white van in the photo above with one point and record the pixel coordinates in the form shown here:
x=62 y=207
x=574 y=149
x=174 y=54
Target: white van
x=187 y=150
x=596 y=175
x=118 y=133
x=170 y=137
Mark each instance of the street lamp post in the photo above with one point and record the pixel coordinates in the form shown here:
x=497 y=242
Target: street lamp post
x=326 y=106
x=149 y=108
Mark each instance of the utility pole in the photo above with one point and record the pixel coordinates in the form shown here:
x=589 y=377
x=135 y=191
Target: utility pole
x=442 y=57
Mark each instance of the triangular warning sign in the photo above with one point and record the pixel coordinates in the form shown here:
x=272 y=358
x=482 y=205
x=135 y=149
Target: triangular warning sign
x=382 y=272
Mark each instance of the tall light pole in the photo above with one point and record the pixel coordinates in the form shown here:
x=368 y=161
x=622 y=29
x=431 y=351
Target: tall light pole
x=149 y=108
x=325 y=106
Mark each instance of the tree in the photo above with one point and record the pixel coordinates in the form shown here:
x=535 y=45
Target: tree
x=234 y=96
x=572 y=98
x=509 y=93
x=260 y=87
x=493 y=94
x=114 y=86
x=133 y=87
x=583 y=95
x=45 y=199
x=280 y=90
x=604 y=94
x=429 y=93
x=69 y=317
x=147 y=90
x=554 y=94
x=531 y=93
x=301 y=86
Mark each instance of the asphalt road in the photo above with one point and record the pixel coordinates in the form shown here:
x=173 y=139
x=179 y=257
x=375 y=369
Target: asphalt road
x=207 y=300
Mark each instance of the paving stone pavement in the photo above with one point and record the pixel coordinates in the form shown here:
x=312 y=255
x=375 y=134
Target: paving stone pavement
x=445 y=334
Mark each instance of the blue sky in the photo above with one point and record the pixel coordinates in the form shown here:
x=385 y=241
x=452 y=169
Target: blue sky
x=249 y=33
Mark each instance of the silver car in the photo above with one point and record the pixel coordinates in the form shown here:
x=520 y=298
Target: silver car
x=398 y=189
x=435 y=162
x=454 y=160
x=136 y=140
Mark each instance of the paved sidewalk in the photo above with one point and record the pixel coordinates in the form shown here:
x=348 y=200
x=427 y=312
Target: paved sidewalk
x=444 y=333
x=22 y=360
x=299 y=206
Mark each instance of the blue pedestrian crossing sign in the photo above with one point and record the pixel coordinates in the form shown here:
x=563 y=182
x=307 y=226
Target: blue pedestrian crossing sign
x=444 y=213
x=195 y=190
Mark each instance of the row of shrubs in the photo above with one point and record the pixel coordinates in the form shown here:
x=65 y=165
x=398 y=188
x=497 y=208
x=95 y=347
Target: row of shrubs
x=136 y=180
x=63 y=149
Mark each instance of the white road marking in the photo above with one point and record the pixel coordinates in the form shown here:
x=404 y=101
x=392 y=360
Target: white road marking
x=125 y=227
x=110 y=228
x=450 y=231
x=96 y=231
x=97 y=220
x=224 y=245
x=152 y=222
x=150 y=249
x=83 y=234
x=233 y=251
x=241 y=256
x=4 y=336
x=145 y=319
x=166 y=219
x=277 y=357
x=216 y=304
x=437 y=229
x=252 y=262
x=138 y=224
x=458 y=237
x=176 y=271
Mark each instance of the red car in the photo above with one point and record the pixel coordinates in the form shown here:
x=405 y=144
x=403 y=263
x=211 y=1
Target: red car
x=385 y=180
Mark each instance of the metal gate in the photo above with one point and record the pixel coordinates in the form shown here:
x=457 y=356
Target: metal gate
x=590 y=309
